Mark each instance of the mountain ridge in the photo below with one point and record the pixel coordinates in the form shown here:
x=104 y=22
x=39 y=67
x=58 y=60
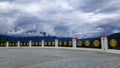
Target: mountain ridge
x=37 y=38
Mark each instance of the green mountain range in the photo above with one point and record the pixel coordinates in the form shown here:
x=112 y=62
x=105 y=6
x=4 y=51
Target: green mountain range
x=116 y=35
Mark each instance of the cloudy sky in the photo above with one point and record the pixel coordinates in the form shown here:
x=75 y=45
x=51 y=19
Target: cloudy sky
x=59 y=17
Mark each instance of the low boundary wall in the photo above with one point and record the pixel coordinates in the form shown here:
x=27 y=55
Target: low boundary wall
x=103 y=43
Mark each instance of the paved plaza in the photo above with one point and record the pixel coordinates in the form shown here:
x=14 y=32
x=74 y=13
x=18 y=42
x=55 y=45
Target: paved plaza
x=56 y=58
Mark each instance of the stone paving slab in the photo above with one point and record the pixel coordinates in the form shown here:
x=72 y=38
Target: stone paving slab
x=56 y=58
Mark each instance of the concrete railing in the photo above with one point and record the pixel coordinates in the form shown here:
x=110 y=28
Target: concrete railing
x=104 y=43
x=104 y=47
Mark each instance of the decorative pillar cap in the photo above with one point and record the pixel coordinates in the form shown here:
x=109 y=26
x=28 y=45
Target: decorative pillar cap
x=74 y=38
x=104 y=36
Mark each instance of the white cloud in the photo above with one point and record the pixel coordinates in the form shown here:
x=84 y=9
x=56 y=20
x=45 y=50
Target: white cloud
x=63 y=4
x=47 y=15
x=5 y=5
x=116 y=31
x=6 y=24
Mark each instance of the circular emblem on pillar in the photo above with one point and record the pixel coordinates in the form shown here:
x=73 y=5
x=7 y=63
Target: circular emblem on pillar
x=1 y=44
x=36 y=43
x=39 y=43
x=113 y=43
x=49 y=43
x=70 y=43
x=45 y=43
x=79 y=43
x=12 y=44
x=96 y=43
x=32 y=43
x=21 y=44
x=53 y=43
x=60 y=43
x=87 y=43
x=65 y=43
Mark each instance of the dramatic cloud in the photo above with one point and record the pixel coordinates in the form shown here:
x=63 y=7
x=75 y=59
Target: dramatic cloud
x=66 y=18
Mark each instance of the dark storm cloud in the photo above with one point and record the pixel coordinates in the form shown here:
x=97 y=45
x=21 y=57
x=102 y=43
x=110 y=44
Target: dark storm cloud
x=112 y=27
x=78 y=17
x=93 y=5
x=28 y=20
x=62 y=30
x=18 y=1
